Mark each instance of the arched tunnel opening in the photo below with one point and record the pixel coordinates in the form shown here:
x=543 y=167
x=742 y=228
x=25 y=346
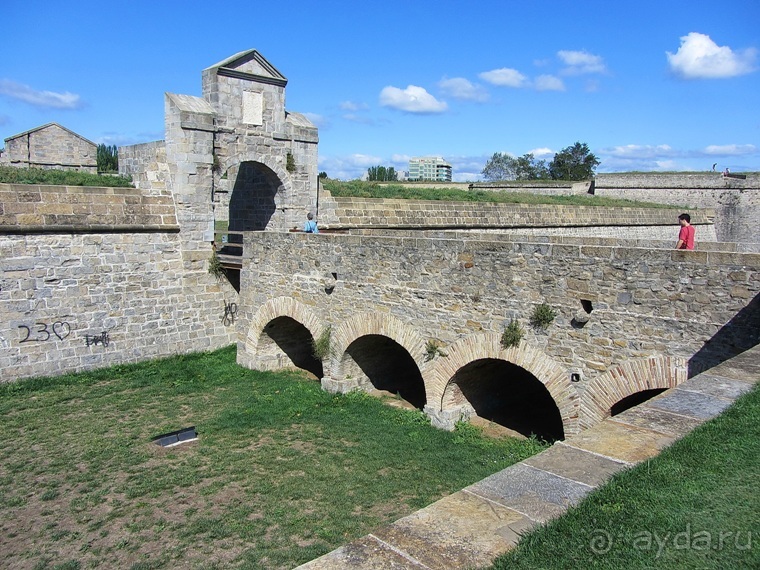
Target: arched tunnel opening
x=510 y=396
x=634 y=400
x=252 y=203
x=286 y=337
x=387 y=366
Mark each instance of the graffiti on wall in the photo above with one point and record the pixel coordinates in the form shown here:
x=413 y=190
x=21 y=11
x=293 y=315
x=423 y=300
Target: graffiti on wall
x=43 y=332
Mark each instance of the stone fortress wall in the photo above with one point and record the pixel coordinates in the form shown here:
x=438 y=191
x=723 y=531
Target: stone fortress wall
x=525 y=219
x=93 y=277
x=99 y=276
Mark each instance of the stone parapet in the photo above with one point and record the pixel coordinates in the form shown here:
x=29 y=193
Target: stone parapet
x=349 y=213
x=28 y=208
x=677 y=180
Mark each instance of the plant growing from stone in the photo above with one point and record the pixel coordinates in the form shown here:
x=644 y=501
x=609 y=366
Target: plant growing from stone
x=290 y=163
x=215 y=266
x=542 y=316
x=320 y=347
x=433 y=349
x=512 y=334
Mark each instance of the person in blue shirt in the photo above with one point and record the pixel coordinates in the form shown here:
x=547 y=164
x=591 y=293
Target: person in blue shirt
x=310 y=227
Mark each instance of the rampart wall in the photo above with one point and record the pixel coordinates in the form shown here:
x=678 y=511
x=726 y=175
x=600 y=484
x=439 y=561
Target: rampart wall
x=92 y=277
x=526 y=219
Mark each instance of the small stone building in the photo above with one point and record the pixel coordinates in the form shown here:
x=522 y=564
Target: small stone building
x=51 y=146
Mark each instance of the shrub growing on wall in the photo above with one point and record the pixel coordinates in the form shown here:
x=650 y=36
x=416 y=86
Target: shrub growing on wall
x=512 y=335
x=542 y=316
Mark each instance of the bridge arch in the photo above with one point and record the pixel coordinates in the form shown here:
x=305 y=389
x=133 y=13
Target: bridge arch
x=626 y=379
x=377 y=350
x=280 y=335
x=486 y=350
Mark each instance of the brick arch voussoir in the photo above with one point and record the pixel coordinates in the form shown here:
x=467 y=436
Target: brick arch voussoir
x=238 y=159
x=381 y=324
x=281 y=307
x=548 y=371
x=626 y=379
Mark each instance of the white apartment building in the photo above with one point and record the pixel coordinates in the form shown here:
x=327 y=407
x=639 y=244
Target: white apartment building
x=432 y=168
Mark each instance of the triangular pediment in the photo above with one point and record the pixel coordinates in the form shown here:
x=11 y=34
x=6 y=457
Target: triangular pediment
x=251 y=66
x=50 y=126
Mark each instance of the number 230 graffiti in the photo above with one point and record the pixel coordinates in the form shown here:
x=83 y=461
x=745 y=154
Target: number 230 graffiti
x=44 y=332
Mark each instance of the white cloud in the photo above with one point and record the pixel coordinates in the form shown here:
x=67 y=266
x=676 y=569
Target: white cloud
x=4 y=120
x=542 y=153
x=320 y=121
x=122 y=139
x=701 y=58
x=504 y=77
x=581 y=62
x=462 y=89
x=549 y=83
x=353 y=106
x=413 y=99
x=730 y=149
x=356 y=118
x=640 y=151
x=45 y=99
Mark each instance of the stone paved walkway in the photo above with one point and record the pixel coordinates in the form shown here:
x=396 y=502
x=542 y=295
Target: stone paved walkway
x=473 y=526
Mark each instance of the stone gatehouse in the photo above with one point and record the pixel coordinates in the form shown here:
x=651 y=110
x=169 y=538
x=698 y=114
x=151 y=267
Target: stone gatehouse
x=235 y=154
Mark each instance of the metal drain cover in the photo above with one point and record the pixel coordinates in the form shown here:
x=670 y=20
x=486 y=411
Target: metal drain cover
x=176 y=437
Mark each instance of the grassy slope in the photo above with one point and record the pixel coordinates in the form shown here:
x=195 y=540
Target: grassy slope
x=361 y=189
x=13 y=175
x=282 y=472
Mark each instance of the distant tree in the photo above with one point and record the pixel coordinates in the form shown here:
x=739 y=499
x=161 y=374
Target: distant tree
x=107 y=158
x=575 y=162
x=528 y=168
x=323 y=174
x=381 y=173
x=500 y=166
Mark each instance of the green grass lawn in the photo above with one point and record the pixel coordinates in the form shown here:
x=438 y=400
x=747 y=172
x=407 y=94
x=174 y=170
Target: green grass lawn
x=695 y=506
x=282 y=471
x=54 y=176
x=363 y=189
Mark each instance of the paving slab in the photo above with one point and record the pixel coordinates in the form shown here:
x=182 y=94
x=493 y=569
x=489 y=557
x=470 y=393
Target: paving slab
x=718 y=386
x=539 y=495
x=576 y=464
x=668 y=423
x=691 y=404
x=366 y=553
x=745 y=372
x=621 y=442
x=459 y=531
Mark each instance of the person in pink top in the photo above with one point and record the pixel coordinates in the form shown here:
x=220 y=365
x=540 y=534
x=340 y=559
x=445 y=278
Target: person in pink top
x=686 y=235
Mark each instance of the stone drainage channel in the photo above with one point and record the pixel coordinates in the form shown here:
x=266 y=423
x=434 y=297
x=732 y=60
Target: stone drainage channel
x=475 y=525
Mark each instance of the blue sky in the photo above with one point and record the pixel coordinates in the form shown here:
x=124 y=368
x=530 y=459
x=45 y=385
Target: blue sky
x=648 y=85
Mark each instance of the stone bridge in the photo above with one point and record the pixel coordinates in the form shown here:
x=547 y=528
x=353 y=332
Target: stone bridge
x=422 y=317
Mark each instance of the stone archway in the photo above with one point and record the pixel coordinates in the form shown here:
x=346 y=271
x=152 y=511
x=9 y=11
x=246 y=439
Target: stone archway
x=280 y=336
x=378 y=351
x=447 y=404
x=256 y=195
x=631 y=377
